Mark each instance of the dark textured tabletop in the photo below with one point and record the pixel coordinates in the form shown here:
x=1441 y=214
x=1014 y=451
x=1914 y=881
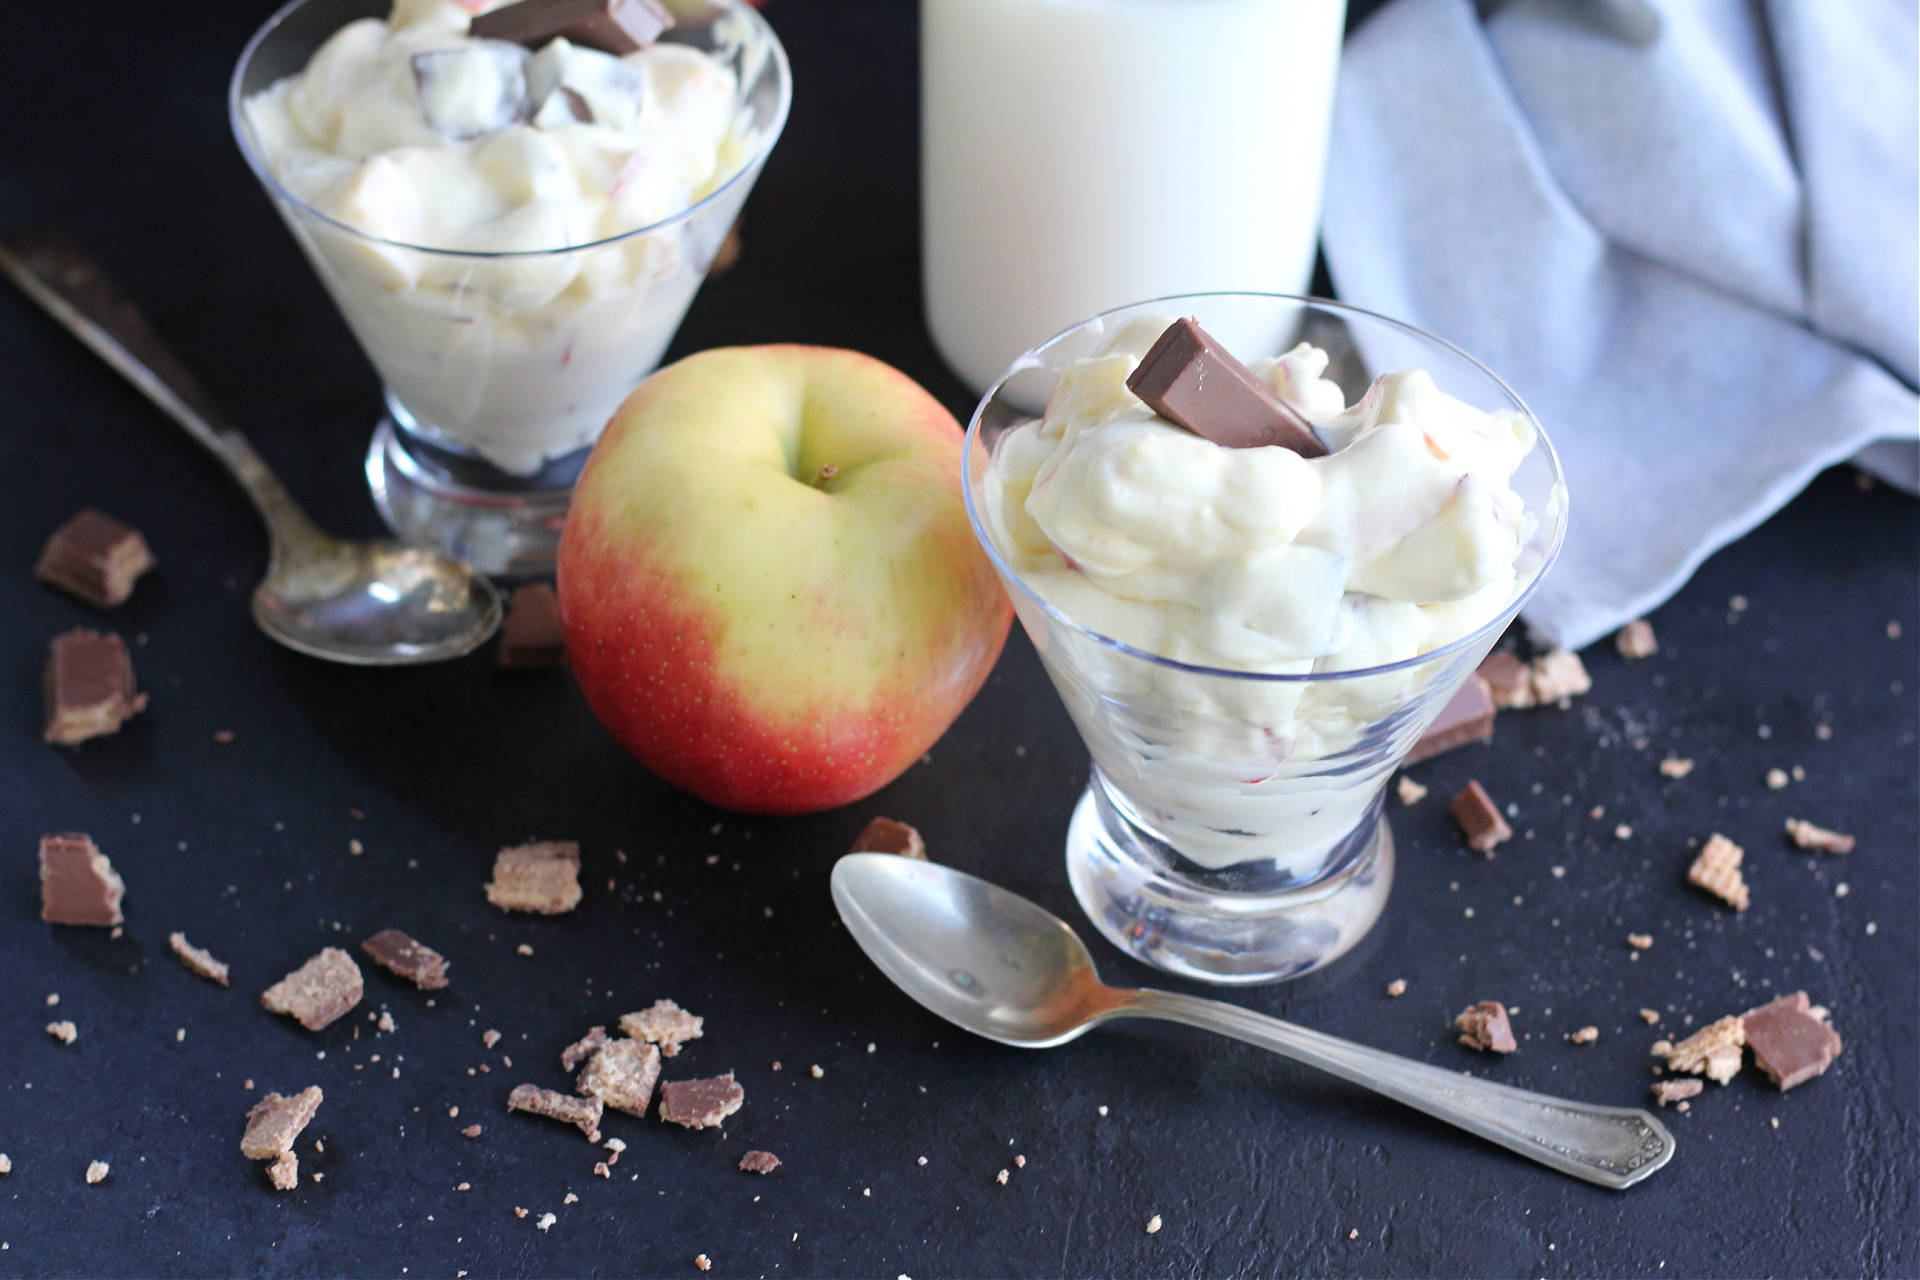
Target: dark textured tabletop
x=1794 y=647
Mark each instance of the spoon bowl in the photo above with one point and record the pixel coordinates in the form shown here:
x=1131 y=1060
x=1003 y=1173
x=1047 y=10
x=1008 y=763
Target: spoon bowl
x=1002 y=967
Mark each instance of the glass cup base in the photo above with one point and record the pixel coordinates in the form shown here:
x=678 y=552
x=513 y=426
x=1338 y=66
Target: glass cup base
x=504 y=533
x=1221 y=927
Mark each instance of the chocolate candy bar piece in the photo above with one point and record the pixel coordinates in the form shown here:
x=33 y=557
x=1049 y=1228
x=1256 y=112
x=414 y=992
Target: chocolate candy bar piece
x=319 y=991
x=275 y=1122
x=417 y=963
x=1509 y=679
x=542 y=877
x=665 y=1024
x=1480 y=819
x=1484 y=1026
x=1466 y=718
x=77 y=883
x=621 y=1074
x=89 y=687
x=583 y=1113
x=96 y=558
x=759 y=1162
x=611 y=26
x=1789 y=1042
x=583 y=1048
x=530 y=635
x=1192 y=381
x=884 y=835
x=701 y=1104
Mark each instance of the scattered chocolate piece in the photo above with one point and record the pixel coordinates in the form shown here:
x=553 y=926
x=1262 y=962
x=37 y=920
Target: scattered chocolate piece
x=1808 y=836
x=1398 y=987
x=700 y=1104
x=1585 y=1035
x=530 y=636
x=199 y=961
x=318 y=991
x=77 y=883
x=1790 y=1041
x=95 y=557
x=1675 y=767
x=702 y=1262
x=1717 y=870
x=1635 y=640
x=1665 y=1091
x=543 y=877
x=284 y=1171
x=89 y=687
x=583 y=1113
x=1776 y=779
x=275 y=1123
x=1559 y=675
x=471 y=1131
x=1640 y=941
x=1484 y=1026
x=1650 y=1016
x=1193 y=382
x=421 y=965
x=97 y=1172
x=489 y=1037
x=1467 y=717
x=1409 y=791
x=665 y=1024
x=1509 y=680
x=611 y=26
x=577 y=1052
x=759 y=1162
x=1713 y=1050
x=621 y=1074
x=1479 y=819
x=884 y=835
x=64 y=1032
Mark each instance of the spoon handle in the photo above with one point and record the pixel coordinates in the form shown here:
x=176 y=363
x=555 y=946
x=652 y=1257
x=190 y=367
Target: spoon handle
x=1613 y=1146
x=78 y=292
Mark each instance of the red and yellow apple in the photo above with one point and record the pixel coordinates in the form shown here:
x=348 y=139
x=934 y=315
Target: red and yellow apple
x=769 y=588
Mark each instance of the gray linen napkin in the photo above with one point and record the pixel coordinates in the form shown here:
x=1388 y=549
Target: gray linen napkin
x=1698 y=261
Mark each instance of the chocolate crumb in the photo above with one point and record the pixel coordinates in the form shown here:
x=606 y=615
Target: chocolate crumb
x=530 y=635
x=318 y=991
x=759 y=1162
x=1650 y=1016
x=1665 y=1091
x=64 y=1032
x=471 y=1131
x=78 y=885
x=1717 y=870
x=622 y=1073
x=414 y=961
x=1675 y=767
x=89 y=687
x=1640 y=941
x=489 y=1038
x=665 y=1024
x=1153 y=1225
x=1790 y=1041
x=1714 y=1050
x=583 y=1113
x=1585 y=1035
x=1484 y=1026
x=1409 y=791
x=1558 y=675
x=284 y=1171
x=1480 y=819
x=884 y=835
x=1808 y=836
x=97 y=1172
x=1398 y=987
x=577 y=1052
x=96 y=558
x=543 y=877
x=701 y=1261
x=1636 y=640
x=700 y=1104
x=275 y=1123
x=196 y=959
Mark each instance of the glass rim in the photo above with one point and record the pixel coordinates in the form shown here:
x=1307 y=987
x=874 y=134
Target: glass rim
x=1008 y=574
x=236 y=121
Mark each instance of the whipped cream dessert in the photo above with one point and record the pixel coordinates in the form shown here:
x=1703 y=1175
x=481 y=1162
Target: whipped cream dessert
x=434 y=144
x=1400 y=540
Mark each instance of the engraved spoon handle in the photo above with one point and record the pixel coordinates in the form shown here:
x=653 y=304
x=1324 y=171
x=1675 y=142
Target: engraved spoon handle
x=78 y=292
x=1612 y=1146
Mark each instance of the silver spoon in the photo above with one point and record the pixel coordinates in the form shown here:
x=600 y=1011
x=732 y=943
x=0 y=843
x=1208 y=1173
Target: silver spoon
x=372 y=604
x=999 y=966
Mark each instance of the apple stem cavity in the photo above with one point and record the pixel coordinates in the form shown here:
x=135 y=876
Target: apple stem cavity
x=827 y=472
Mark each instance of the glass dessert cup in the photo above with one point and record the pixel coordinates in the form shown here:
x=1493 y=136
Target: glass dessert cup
x=500 y=370
x=1233 y=828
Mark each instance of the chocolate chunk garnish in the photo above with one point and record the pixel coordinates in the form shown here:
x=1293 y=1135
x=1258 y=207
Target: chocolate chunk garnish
x=1717 y=870
x=418 y=964
x=1559 y=674
x=1808 y=836
x=543 y=877
x=475 y=89
x=77 y=883
x=1193 y=382
x=582 y=1113
x=1467 y=717
x=621 y=1074
x=1509 y=680
x=89 y=687
x=284 y=1171
x=196 y=959
x=611 y=26
x=1790 y=1043
x=700 y=1104
x=1665 y=1091
x=1636 y=640
x=530 y=635
x=1480 y=819
x=1484 y=1026
x=884 y=835
x=96 y=558
x=275 y=1122
x=1713 y=1050
x=318 y=991
x=665 y=1024
x=582 y=1049
x=759 y=1162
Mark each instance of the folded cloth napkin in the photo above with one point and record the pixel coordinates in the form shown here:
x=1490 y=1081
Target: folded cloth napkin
x=1697 y=260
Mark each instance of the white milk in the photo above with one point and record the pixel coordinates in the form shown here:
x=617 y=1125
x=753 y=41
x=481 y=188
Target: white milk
x=1081 y=155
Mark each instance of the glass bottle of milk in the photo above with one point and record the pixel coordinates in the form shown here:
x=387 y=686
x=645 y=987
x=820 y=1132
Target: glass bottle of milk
x=1081 y=155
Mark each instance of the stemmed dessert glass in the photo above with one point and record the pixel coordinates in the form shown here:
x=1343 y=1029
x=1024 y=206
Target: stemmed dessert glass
x=500 y=370
x=1233 y=828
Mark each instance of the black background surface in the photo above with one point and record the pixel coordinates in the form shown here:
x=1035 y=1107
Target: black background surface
x=116 y=131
